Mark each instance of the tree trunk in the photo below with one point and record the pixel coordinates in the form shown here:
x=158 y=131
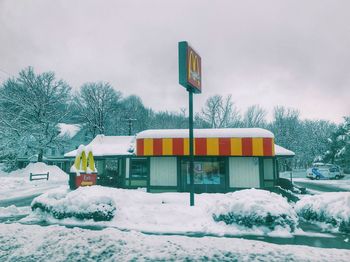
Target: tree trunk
x=40 y=155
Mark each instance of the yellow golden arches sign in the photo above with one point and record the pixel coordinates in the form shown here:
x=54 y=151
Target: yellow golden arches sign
x=190 y=68
x=84 y=160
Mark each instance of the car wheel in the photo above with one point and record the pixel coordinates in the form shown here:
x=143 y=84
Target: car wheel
x=317 y=177
x=337 y=177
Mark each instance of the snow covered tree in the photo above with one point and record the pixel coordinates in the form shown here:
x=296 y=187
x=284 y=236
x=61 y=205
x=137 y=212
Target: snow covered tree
x=313 y=140
x=286 y=128
x=254 y=117
x=133 y=108
x=339 y=145
x=220 y=112
x=31 y=106
x=96 y=104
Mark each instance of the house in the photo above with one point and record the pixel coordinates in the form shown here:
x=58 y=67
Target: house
x=73 y=135
x=225 y=159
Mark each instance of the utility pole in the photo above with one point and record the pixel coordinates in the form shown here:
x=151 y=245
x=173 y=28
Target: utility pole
x=130 y=120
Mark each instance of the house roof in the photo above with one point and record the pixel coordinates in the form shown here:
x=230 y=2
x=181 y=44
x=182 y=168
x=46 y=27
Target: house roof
x=207 y=133
x=69 y=130
x=109 y=146
x=124 y=145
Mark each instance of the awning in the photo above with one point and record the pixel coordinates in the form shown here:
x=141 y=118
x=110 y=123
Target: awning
x=207 y=142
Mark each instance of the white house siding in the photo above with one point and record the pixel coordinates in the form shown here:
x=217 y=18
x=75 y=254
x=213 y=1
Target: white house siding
x=163 y=171
x=244 y=172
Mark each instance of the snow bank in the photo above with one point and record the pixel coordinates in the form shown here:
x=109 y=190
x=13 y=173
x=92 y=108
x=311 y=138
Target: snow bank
x=83 y=203
x=13 y=211
x=330 y=208
x=171 y=212
x=55 y=173
x=255 y=208
x=17 y=184
x=58 y=243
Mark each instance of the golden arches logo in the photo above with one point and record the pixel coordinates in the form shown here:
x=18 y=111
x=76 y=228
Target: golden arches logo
x=84 y=160
x=194 y=70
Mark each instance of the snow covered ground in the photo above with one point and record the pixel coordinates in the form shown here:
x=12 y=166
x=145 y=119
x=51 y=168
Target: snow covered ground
x=58 y=243
x=17 y=183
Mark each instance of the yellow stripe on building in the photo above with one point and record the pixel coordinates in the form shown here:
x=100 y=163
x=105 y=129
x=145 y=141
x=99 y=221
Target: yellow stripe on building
x=167 y=146
x=148 y=147
x=258 y=146
x=186 y=147
x=236 y=146
x=212 y=146
x=273 y=146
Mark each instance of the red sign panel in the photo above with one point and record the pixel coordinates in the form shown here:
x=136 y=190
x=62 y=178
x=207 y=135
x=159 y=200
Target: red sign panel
x=190 y=68
x=85 y=180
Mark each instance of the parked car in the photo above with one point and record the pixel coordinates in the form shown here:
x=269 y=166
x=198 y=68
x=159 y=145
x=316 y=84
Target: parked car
x=324 y=171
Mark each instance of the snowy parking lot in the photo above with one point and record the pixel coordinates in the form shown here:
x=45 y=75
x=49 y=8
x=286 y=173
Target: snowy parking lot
x=162 y=226
x=18 y=243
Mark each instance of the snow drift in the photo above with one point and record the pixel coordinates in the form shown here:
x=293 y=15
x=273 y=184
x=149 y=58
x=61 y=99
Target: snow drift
x=330 y=208
x=83 y=203
x=255 y=208
x=55 y=173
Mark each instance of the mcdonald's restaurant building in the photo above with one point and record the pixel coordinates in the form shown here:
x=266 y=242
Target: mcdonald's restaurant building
x=225 y=160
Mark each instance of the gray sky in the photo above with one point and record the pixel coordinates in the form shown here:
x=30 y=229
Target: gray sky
x=292 y=53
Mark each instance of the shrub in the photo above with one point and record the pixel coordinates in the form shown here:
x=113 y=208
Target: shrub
x=255 y=208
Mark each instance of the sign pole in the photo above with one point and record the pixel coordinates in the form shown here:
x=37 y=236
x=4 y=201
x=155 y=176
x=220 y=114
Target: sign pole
x=190 y=77
x=190 y=93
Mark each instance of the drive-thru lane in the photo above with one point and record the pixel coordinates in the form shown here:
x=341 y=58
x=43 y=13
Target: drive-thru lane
x=18 y=201
x=322 y=187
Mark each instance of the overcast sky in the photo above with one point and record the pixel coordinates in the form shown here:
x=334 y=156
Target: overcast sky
x=291 y=53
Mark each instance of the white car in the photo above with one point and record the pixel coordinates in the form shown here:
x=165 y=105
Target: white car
x=324 y=171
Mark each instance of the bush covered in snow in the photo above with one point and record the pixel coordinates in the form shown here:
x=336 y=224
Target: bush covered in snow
x=331 y=208
x=255 y=208
x=83 y=203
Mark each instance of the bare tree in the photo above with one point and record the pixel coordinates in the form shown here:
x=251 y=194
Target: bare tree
x=96 y=103
x=219 y=112
x=255 y=117
x=31 y=107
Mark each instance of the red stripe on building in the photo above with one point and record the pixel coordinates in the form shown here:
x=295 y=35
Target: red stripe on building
x=267 y=144
x=157 y=147
x=140 y=147
x=247 y=146
x=200 y=147
x=224 y=147
x=178 y=146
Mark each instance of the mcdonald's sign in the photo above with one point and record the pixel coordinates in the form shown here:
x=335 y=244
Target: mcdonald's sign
x=190 y=68
x=83 y=172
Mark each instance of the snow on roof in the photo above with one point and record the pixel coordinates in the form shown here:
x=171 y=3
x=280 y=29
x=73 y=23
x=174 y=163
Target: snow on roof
x=281 y=151
x=218 y=132
x=109 y=146
x=69 y=130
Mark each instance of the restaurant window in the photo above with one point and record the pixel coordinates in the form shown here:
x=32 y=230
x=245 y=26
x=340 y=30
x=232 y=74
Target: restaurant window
x=207 y=171
x=139 y=168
